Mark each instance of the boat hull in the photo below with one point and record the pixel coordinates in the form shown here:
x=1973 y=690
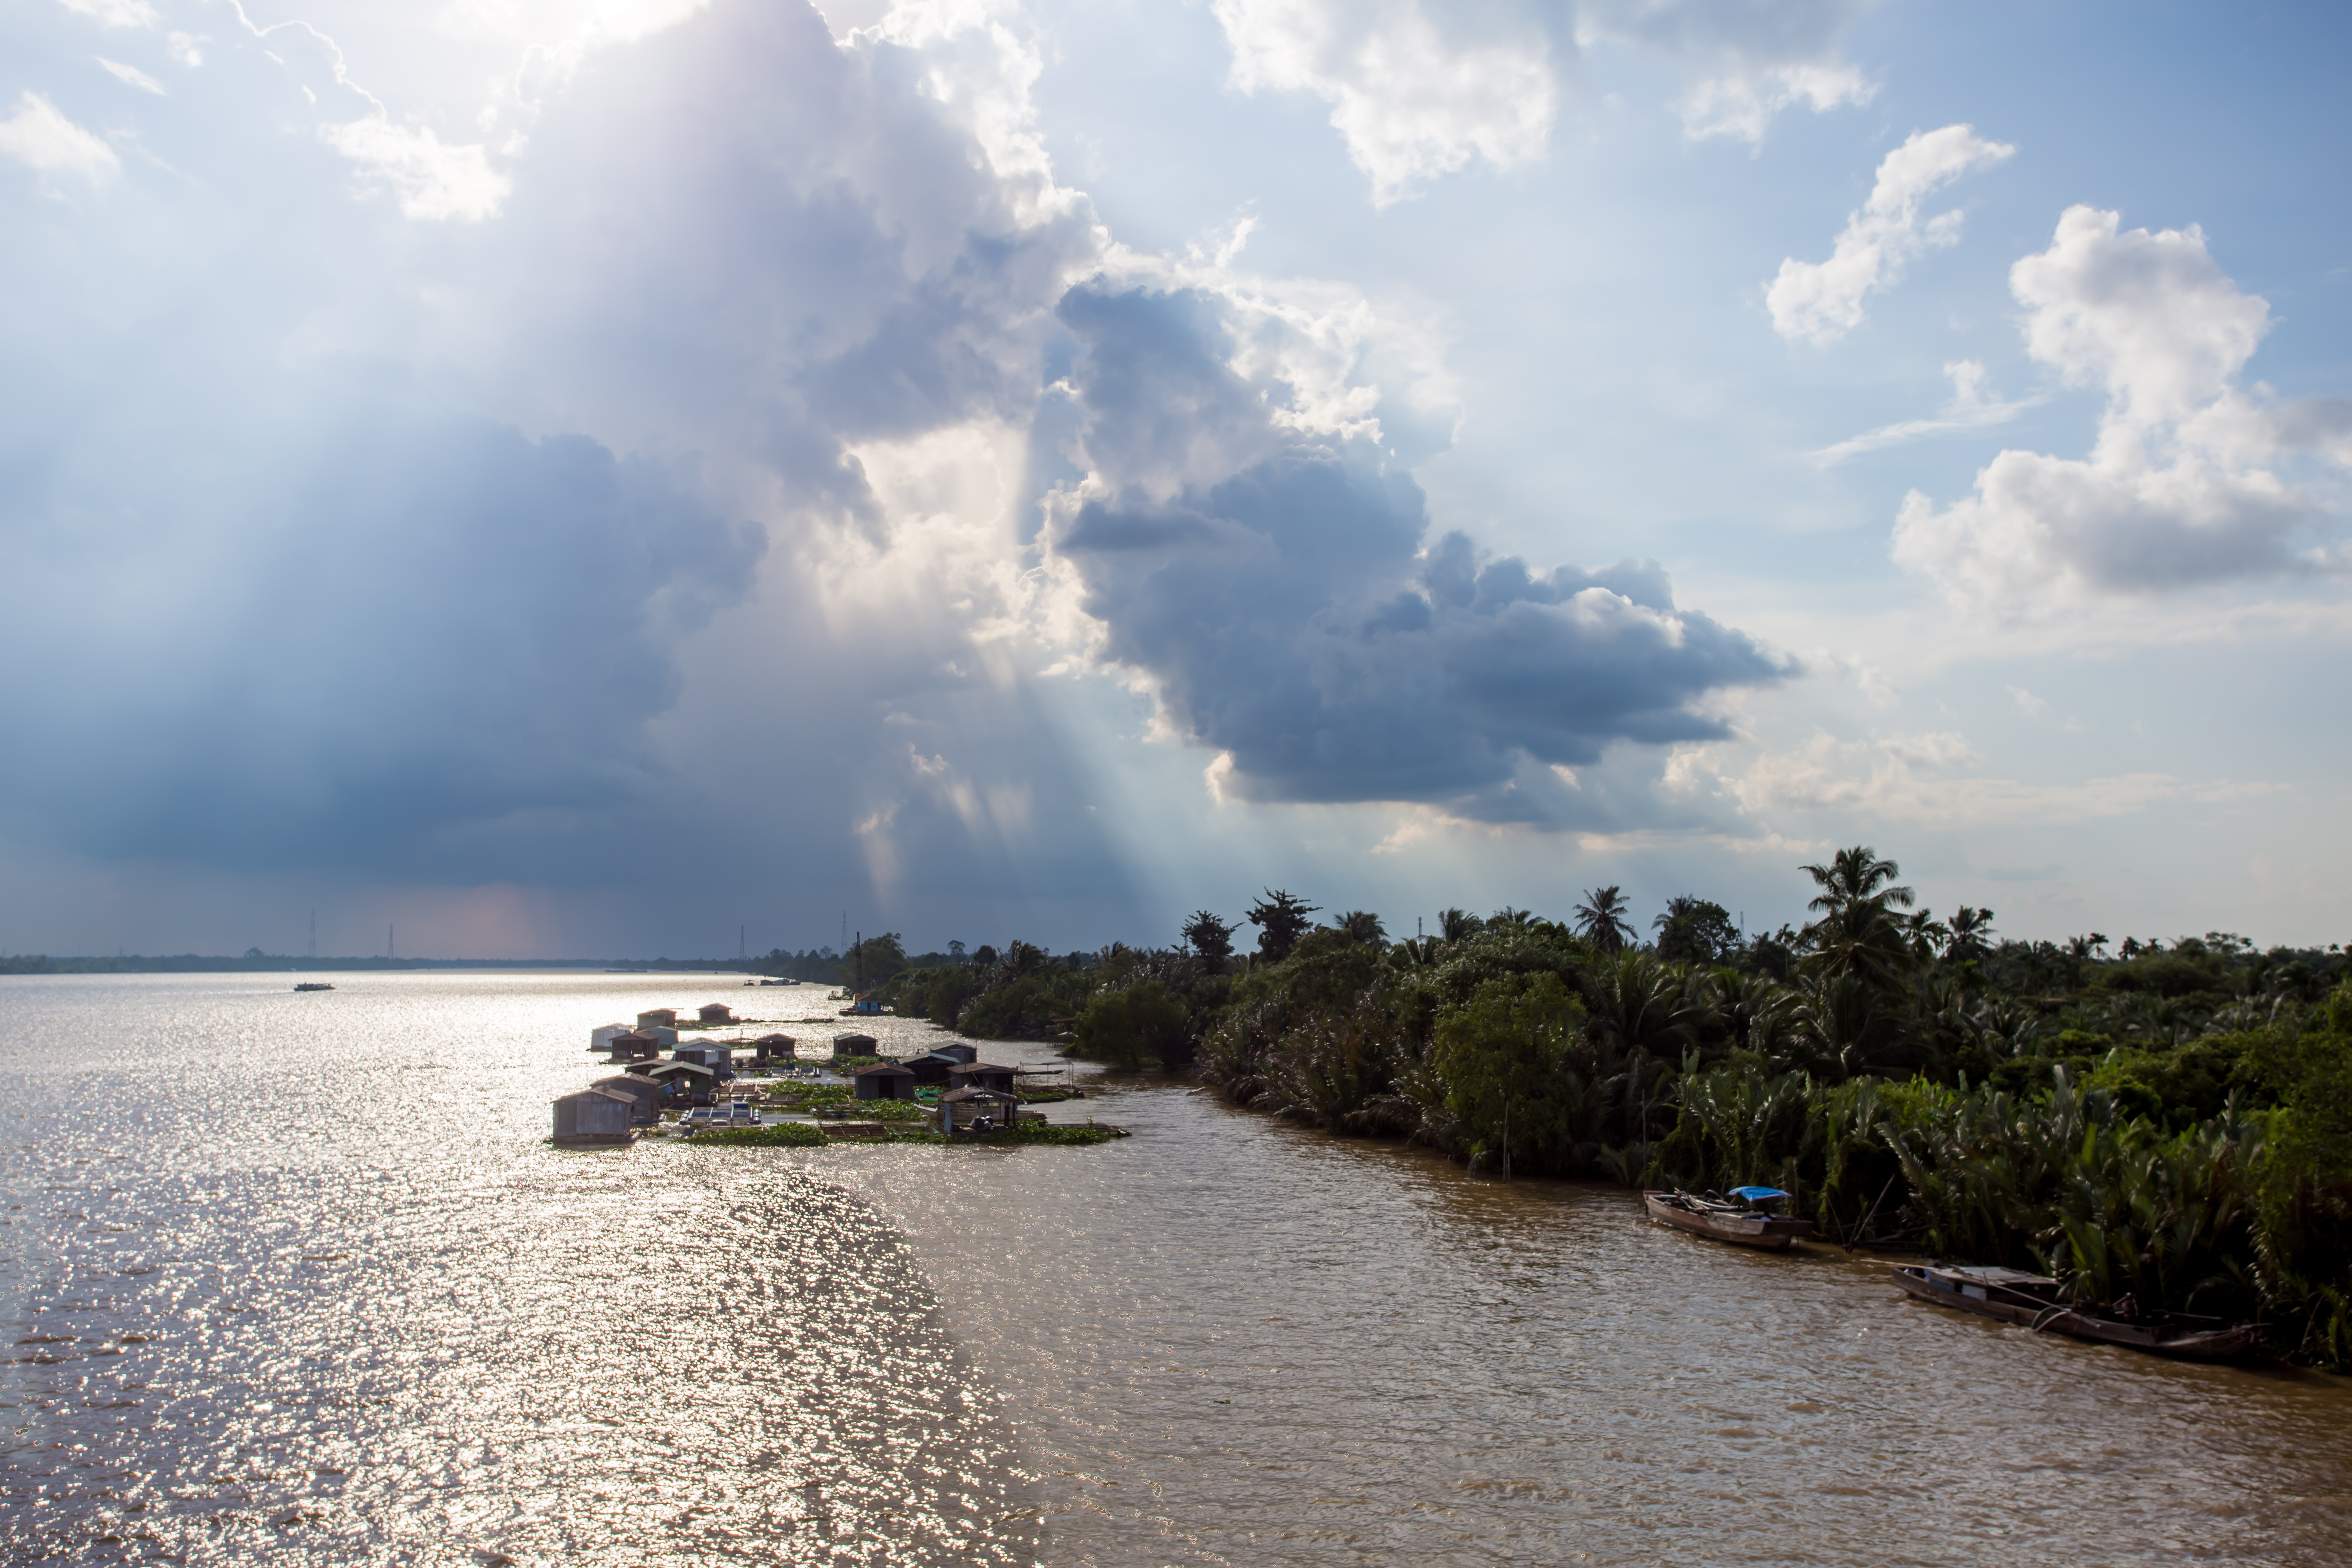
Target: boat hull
x=2196 y=1344
x=1767 y=1233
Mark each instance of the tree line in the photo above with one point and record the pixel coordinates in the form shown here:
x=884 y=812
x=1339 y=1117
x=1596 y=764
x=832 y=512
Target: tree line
x=2167 y=1120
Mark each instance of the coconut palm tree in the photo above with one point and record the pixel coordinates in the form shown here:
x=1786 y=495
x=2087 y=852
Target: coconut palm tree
x=1858 y=932
x=1601 y=919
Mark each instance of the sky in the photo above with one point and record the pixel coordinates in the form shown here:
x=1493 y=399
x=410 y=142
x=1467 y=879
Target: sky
x=567 y=478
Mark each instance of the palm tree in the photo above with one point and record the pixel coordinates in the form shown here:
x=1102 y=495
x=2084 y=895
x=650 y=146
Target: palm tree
x=1969 y=929
x=1455 y=924
x=1858 y=933
x=1601 y=919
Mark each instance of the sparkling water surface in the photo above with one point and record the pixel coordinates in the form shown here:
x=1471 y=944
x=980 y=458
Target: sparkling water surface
x=297 y=1277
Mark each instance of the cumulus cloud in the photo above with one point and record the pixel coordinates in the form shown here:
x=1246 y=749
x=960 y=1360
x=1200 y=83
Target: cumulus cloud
x=2182 y=486
x=46 y=141
x=1287 y=616
x=1821 y=300
x=464 y=558
x=433 y=182
x=1415 y=94
x=1417 y=91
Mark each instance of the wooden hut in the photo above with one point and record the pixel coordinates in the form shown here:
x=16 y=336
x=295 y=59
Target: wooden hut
x=713 y=1013
x=855 y=1045
x=932 y=1071
x=658 y=1018
x=634 y=1046
x=977 y=1111
x=884 y=1080
x=688 y=1081
x=645 y=1092
x=957 y=1052
x=595 y=1116
x=982 y=1075
x=770 y=1048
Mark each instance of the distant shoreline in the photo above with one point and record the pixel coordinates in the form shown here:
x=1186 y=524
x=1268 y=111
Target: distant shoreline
x=196 y=964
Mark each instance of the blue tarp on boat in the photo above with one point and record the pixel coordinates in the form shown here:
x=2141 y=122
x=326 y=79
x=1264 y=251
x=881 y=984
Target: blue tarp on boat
x=1756 y=1195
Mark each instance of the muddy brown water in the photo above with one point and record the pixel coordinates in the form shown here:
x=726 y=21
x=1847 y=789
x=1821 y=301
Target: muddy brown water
x=297 y=1278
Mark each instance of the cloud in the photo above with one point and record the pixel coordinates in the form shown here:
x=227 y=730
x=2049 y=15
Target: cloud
x=1968 y=409
x=465 y=559
x=1743 y=65
x=2182 y=487
x=362 y=613
x=435 y=183
x=115 y=13
x=1418 y=92
x=1922 y=779
x=1414 y=95
x=1820 y=302
x=46 y=141
x=1287 y=616
x=131 y=76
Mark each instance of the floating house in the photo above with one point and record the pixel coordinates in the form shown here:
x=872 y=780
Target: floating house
x=715 y=1013
x=775 y=1049
x=958 y=1052
x=884 y=1080
x=688 y=1081
x=721 y=1059
x=645 y=1092
x=932 y=1071
x=977 y=1111
x=595 y=1116
x=658 y=1018
x=634 y=1046
x=601 y=1038
x=982 y=1075
x=855 y=1045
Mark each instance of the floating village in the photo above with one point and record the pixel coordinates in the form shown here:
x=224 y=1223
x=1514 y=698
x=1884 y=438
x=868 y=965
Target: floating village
x=709 y=1078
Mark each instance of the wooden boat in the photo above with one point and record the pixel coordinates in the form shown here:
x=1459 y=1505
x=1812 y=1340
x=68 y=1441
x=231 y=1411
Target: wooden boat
x=1742 y=1223
x=2031 y=1300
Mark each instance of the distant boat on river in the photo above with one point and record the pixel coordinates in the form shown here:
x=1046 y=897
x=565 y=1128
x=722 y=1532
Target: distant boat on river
x=313 y=985
x=1745 y=1222
x=2031 y=1300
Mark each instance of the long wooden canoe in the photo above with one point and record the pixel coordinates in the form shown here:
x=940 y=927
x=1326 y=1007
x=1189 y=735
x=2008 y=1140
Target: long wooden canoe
x=2014 y=1297
x=1725 y=1222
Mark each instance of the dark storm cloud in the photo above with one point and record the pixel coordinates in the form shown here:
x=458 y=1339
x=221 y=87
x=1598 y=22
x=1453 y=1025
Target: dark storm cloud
x=359 y=618
x=343 y=538
x=1290 y=617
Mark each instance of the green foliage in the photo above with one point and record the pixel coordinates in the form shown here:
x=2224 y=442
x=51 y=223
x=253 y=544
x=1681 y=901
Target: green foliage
x=1694 y=931
x=2173 y=1125
x=1019 y=1010
x=1281 y=920
x=1133 y=1026
x=1509 y=1082
x=1211 y=939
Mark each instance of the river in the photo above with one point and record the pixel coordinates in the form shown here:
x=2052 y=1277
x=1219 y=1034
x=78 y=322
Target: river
x=298 y=1278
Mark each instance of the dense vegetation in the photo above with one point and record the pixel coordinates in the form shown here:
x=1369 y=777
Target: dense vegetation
x=2171 y=1121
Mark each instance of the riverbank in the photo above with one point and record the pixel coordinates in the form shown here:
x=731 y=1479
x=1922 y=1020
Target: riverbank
x=309 y=1301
